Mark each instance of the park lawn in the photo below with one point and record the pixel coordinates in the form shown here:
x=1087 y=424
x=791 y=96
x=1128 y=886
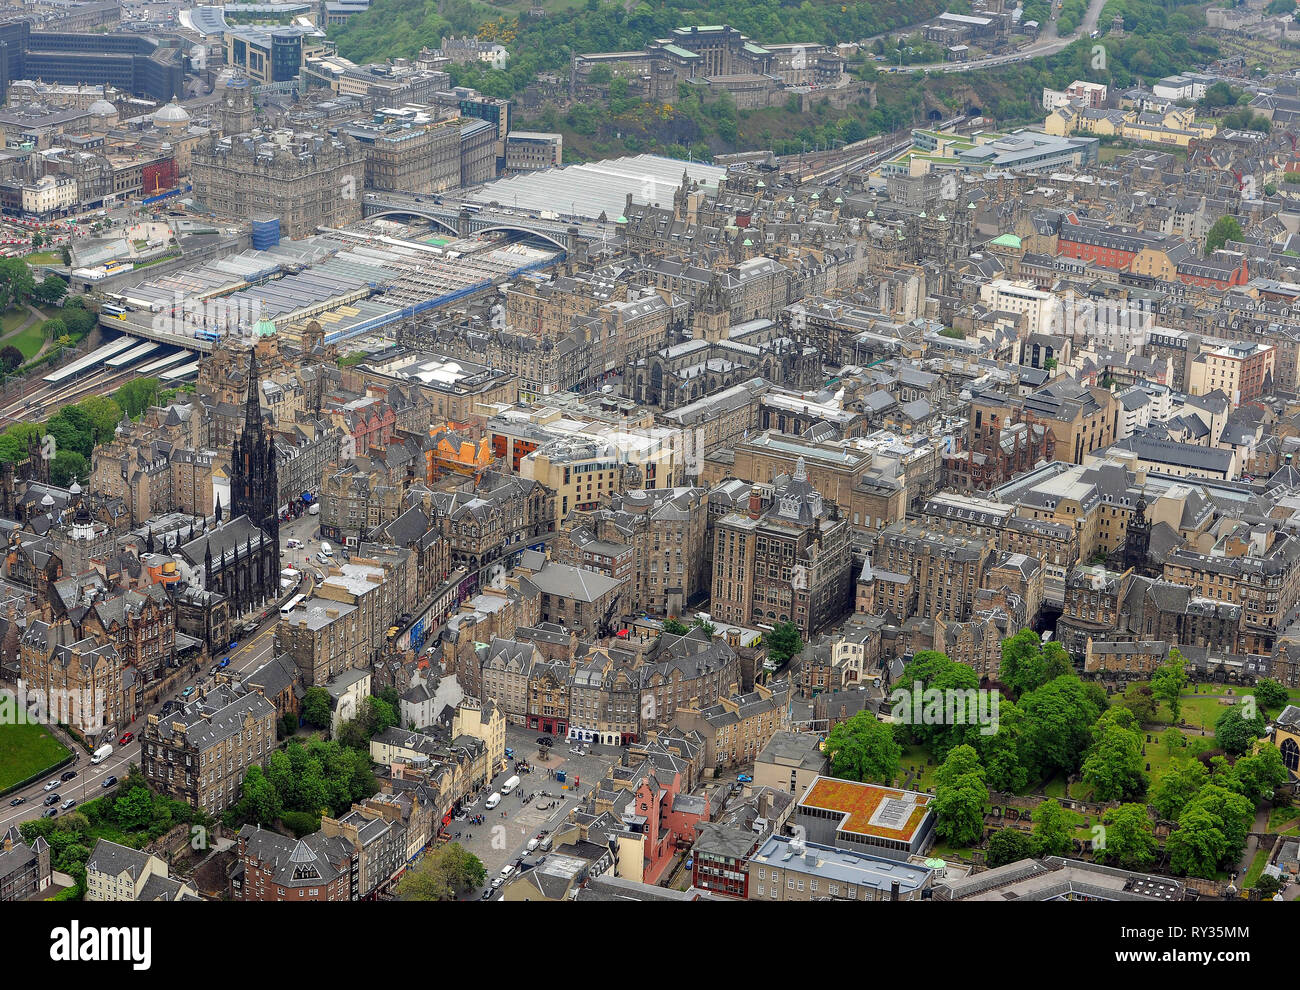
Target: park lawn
x=44 y=258
x=1256 y=869
x=27 y=749
x=29 y=341
x=1277 y=817
x=13 y=318
x=917 y=756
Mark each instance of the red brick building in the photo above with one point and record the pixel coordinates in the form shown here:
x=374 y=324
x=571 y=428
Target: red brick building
x=275 y=867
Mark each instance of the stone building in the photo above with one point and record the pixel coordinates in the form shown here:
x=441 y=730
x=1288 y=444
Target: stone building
x=789 y=563
x=199 y=753
x=307 y=181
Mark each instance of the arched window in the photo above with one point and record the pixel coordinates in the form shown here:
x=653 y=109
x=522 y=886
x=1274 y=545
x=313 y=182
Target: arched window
x=1291 y=755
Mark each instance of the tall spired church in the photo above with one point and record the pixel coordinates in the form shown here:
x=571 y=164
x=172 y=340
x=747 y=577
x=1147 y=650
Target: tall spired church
x=254 y=487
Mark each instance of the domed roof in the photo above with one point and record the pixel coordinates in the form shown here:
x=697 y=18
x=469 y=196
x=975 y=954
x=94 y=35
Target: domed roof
x=173 y=113
x=75 y=489
x=265 y=327
x=102 y=108
x=237 y=80
x=48 y=500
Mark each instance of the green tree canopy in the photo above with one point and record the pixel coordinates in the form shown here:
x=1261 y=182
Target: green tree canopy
x=442 y=875
x=1009 y=845
x=1129 y=841
x=784 y=642
x=1235 y=732
x=863 y=748
x=1225 y=229
x=1052 y=828
x=960 y=798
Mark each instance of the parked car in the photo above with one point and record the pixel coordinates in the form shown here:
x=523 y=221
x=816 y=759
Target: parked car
x=224 y=663
x=745 y=778
x=168 y=706
x=188 y=691
x=109 y=782
x=487 y=893
x=250 y=628
x=126 y=738
x=69 y=774
x=212 y=670
x=17 y=801
x=70 y=803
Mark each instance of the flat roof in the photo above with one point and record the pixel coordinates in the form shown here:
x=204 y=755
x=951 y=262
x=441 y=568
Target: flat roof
x=869 y=809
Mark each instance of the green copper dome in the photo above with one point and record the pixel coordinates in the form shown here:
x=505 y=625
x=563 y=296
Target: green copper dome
x=265 y=327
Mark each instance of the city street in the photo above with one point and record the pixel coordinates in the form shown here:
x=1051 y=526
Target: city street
x=504 y=840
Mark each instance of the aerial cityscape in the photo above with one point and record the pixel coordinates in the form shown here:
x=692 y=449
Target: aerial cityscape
x=587 y=450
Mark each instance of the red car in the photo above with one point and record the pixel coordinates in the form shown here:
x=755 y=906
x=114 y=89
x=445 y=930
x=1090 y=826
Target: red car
x=126 y=738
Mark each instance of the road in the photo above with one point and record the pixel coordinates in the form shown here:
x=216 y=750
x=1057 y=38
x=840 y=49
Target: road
x=500 y=840
x=1047 y=44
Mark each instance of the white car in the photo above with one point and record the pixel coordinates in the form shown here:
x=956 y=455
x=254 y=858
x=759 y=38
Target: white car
x=52 y=784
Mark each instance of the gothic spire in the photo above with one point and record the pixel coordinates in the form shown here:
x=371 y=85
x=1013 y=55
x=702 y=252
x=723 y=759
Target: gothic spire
x=253 y=404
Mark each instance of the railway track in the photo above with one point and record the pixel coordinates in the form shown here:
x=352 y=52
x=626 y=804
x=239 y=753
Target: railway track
x=30 y=410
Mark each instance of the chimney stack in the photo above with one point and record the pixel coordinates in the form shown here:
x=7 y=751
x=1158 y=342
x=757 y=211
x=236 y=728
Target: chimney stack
x=893 y=890
x=755 y=503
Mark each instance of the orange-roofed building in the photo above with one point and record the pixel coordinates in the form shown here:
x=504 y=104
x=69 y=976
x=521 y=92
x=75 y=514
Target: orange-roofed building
x=455 y=452
x=882 y=821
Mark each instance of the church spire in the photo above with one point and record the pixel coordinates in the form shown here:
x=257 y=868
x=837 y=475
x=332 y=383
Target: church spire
x=253 y=404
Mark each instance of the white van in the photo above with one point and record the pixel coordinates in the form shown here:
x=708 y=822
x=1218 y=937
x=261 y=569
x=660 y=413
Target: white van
x=326 y=549
x=493 y=801
x=102 y=754
x=509 y=785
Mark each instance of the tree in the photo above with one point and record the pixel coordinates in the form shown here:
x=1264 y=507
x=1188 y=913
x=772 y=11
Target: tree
x=1234 y=732
x=1114 y=764
x=1198 y=845
x=675 y=628
x=784 y=642
x=1269 y=694
x=1057 y=720
x=66 y=465
x=134 y=808
x=51 y=290
x=1051 y=828
x=316 y=709
x=259 y=802
x=1181 y=782
x=1278 y=7
x=1225 y=229
x=104 y=414
x=16 y=282
x=1257 y=776
x=1009 y=845
x=53 y=329
x=1167 y=683
x=10 y=358
x=1141 y=701
x=1211 y=832
x=863 y=748
x=960 y=798
x=137 y=395
x=1266 y=886
x=442 y=875
x=1128 y=840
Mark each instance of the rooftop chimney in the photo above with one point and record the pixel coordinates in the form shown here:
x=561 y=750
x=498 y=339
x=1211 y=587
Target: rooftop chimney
x=755 y=503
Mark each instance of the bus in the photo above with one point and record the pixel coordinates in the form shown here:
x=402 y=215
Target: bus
x=112 y=310
x=203 y=334
x=292 y=604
